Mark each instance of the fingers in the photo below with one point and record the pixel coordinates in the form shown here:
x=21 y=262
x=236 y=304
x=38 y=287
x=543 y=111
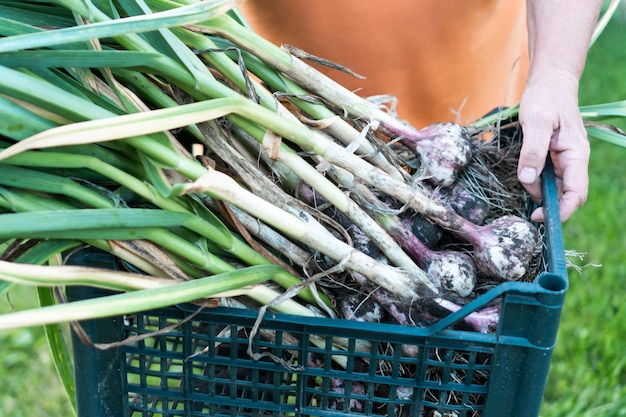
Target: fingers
x=532 y=159
x=538 y=215
x=569 y=149
x=572 y=193
x=573 y=166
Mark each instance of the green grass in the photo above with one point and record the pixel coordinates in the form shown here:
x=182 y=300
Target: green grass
x=30 y=385
x=588 y=373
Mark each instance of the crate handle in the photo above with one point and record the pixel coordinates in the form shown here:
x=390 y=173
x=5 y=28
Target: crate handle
x=554 y=235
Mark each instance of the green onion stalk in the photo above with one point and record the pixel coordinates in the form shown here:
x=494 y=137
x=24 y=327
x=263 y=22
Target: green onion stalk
x=114 y=223
x=39 y=181
x=102 y=130
x=152 y=296
x=97 y=112
x=110 y=93
x=331 y=122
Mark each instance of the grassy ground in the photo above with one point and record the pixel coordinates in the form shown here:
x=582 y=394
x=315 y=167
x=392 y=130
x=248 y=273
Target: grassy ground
x=30 y=386
x=588 y=374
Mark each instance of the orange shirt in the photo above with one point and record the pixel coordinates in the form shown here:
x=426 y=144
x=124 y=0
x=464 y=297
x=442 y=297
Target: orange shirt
x=445 y=60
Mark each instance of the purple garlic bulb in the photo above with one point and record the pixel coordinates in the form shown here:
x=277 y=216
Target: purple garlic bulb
x=503 y=248
x=444 y=150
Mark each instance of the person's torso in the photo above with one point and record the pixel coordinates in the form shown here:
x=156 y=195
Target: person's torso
x=444 y=59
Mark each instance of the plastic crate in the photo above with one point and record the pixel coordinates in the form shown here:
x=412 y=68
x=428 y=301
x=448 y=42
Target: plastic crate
x=202 y=368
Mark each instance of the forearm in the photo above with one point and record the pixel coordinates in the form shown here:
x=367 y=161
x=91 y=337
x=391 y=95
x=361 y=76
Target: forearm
x=559 y=35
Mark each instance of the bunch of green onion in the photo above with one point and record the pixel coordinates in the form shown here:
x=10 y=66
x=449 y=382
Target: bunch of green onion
x=95 y=97
x=89 y=93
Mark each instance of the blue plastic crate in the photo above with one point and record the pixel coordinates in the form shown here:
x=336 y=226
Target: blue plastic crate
x=202 y=367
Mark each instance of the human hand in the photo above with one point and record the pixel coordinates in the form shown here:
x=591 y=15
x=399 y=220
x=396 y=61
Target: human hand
x=551 y=122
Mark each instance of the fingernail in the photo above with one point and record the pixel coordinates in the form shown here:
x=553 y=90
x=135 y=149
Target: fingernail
x=527 y=175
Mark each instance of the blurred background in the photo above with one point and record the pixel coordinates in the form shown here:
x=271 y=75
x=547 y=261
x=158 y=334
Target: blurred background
x=588 y=373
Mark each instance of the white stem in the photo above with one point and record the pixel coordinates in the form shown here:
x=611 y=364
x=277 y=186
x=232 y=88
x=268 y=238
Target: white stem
x=303 y=227
x=346 y=205
x=311 y=79
x=50 y=276
x=414 y=197
x=274 y=239
x=387 y=244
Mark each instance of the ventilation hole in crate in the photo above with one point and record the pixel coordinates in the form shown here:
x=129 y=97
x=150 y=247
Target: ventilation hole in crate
x=203 y=368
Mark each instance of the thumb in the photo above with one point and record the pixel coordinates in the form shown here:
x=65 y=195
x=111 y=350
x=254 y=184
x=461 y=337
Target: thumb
x=532 y=159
